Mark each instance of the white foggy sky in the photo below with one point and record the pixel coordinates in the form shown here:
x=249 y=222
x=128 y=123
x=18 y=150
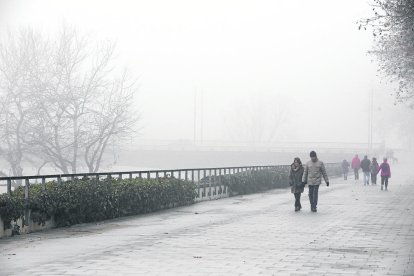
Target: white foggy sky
x=308 y=53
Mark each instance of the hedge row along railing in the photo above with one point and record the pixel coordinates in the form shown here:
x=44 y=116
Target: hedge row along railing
x=72 y=202
x=80 y=198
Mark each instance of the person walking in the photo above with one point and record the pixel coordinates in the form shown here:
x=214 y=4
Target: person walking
x=312 y=175
x=345 y=169
x=374 y=170
x=295 y=181
x=385 y=173
x=355 y=165
x=366 y=170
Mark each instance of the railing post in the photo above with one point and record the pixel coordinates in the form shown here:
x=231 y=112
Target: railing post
x=224 y=185
x=204 y=185
x=148 y=175
x=43 y=183
x=120 y=176
x=209 y=183
x=186 y=175
x=249 y=174
x=215 y=182
x=198 y=184
x=219 y=183
x=59 y=180
x=26 y=200
x=192 y=181
x=9 y=186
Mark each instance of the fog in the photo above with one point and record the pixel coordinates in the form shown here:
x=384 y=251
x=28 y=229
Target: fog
x=254 y=71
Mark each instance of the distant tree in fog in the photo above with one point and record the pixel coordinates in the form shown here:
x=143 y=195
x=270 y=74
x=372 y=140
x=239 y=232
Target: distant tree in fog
x=257 y=120
x=61 y=104
x=396 y=121
x=392 y=25
x=16 y=62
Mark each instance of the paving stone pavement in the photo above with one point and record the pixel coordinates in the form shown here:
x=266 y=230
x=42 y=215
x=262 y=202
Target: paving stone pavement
x=357 y=231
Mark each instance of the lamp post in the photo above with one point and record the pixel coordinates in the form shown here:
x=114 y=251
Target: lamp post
x=195 y=116
x=370 y=121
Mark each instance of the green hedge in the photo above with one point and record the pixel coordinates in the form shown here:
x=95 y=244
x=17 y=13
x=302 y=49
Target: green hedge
x=256 y=181
x=90 y=200
x=11 y=209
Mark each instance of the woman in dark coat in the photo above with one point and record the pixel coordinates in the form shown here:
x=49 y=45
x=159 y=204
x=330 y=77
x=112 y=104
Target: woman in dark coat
x=295 y=181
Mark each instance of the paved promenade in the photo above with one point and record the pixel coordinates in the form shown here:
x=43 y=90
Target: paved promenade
x=357 y=231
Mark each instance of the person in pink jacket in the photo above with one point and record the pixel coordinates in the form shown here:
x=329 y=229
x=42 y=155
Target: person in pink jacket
x=385 y=173
x=356 y=165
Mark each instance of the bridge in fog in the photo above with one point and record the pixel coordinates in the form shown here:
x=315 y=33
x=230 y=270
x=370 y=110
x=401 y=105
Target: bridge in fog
x=162 y=154
x=240 y=146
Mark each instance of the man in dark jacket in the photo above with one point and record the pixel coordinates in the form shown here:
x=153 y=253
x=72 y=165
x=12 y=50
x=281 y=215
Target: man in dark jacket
x=366 y=169
x=314 y=171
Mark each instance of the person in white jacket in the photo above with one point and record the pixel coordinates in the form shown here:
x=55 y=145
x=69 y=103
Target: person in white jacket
x=314 y=171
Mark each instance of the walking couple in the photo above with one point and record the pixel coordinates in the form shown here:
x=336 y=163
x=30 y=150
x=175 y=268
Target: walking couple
x=310 y=174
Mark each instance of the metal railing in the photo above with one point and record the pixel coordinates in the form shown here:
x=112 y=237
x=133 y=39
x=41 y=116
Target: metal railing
x=195 y=175
x=205 y=179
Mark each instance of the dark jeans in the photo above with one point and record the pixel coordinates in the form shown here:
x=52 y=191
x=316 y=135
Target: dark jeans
x=384 y=180
x=356 y=174
x=373 y=178
x=345 y=175
x=297 y=200
x=313 y=195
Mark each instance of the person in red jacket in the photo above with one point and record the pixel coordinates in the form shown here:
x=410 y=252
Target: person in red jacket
x=385 y=173
x=355 y=165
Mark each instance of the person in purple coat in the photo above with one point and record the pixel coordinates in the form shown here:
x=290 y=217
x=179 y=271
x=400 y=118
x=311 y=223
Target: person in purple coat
x=385 y=173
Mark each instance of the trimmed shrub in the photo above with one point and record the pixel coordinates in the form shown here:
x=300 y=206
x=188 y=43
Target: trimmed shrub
x=11 y=209
x=256 y=181
x=89 y=200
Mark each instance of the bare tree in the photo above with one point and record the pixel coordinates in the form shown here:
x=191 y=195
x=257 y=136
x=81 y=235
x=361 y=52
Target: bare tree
x=16 y=64
x=76 y=105
x=392 y=27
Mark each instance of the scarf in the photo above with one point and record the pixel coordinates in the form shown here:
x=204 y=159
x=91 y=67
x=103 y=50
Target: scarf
x=294 y=168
